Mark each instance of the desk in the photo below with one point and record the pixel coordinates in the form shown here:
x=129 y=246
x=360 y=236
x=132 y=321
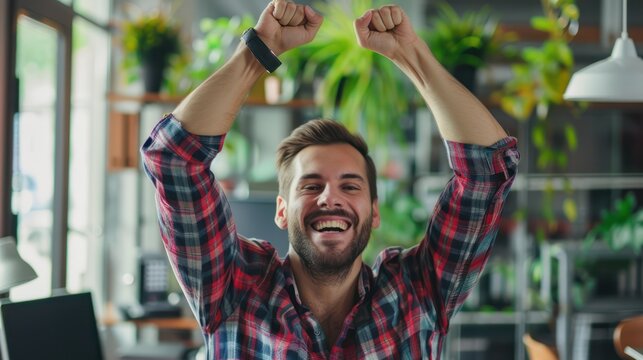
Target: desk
x=174 y=328
x=637 y=354
x=179 y=323
x=177 y=330
x=111 y=318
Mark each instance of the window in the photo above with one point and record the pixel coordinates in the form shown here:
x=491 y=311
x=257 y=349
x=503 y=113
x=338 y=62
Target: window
x=59 y=142
x=33 y=150
x=90 y=70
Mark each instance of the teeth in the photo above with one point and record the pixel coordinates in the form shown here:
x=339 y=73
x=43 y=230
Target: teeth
x=331 y=224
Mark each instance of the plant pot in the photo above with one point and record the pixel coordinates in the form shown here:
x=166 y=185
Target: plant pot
x=153 y=69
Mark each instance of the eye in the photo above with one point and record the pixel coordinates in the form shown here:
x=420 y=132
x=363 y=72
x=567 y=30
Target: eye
x=311 y=187
x=351 y=187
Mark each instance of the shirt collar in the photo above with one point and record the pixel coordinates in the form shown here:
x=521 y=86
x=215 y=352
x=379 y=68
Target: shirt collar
x=364 y=284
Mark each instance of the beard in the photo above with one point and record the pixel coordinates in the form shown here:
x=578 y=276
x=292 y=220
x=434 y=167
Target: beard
x=334 y=266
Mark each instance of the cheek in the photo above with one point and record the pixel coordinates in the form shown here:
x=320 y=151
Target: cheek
x=294 y=212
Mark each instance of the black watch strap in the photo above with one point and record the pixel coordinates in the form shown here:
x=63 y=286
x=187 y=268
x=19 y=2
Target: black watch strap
x=264 y=55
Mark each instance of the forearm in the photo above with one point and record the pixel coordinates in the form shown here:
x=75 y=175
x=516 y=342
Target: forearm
x=212 y=107
x=459 y=114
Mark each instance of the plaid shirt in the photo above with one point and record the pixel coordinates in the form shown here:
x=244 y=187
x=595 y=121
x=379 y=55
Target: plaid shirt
x=245 y=297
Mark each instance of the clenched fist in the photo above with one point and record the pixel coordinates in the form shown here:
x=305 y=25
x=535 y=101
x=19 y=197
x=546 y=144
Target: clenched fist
x=385 y=30
x=284 y=25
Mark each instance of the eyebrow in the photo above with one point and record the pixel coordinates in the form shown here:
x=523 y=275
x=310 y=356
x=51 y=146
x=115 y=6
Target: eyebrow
x=347 y=176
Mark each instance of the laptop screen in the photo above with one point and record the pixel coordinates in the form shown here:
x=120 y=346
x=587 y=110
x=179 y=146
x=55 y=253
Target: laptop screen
x=57 y=328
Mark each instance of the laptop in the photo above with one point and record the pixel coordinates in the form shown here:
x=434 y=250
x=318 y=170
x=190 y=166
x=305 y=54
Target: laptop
x=61 y=327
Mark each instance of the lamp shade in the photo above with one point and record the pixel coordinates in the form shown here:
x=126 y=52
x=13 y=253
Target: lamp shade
x=13 y=270
x=618 y=78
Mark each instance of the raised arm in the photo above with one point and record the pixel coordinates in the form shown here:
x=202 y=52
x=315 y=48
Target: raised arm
x=459 y=114
x=212 y=107
x=447 y=263
x=197 y=228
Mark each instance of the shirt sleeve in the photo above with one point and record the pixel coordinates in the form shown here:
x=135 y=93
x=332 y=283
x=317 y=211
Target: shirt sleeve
x=448 y=262
x=195 y=219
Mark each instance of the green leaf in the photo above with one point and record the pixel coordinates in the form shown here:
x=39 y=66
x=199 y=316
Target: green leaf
x=532 y=55
x=562 y=159
x=570 y=210
x=543 y=23
x=570 y=136
x=565 y=54
x=538 y=136
x=545 y=158
x=571 y=11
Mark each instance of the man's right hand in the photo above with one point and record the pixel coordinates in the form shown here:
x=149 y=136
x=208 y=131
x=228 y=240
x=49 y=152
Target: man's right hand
x=284 y=25
x=213 y=106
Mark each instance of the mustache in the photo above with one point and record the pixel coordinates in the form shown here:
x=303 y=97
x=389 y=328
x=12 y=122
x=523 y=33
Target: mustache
x=335 y=212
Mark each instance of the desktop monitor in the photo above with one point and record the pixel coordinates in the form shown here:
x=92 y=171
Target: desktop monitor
x=255 y=218
x=60 y=327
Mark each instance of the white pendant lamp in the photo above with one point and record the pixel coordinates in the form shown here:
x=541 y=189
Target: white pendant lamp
x=618 y=78
x=13 y=269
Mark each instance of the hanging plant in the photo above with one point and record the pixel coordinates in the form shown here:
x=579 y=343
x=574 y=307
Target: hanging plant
x=537 y=85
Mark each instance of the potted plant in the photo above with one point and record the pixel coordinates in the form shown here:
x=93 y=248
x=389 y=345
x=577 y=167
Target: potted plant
x=463 y=43
x=149 y=43
x=359 y=88
x=620 y=228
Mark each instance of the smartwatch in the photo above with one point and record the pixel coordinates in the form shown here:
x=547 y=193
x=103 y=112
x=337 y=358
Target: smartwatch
x=264 y=55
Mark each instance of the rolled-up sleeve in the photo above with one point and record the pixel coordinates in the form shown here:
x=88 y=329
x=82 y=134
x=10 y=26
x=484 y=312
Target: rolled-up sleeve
x=194 y=216
x=464 y=224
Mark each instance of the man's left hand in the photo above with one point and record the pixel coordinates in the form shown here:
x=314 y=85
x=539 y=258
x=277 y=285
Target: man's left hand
x=385 y=30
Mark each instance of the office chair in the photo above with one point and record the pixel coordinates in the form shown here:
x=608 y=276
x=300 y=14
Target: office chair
x=628 y=332
x=538 y=350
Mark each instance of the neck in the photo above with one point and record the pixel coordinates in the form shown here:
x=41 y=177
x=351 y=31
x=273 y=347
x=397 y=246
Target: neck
x=329 y=295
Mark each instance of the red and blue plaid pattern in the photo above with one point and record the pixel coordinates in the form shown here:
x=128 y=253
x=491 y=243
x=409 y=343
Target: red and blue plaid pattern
x=245 y=297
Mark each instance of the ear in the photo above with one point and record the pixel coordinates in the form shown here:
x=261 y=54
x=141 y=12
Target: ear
x=376 y=214
x=281 y=213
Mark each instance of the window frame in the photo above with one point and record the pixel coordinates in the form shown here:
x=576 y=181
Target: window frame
x=61 y=17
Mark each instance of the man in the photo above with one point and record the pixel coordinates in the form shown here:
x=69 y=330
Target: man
x=321 y=301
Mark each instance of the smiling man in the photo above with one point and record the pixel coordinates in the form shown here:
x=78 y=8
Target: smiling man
x=322 y=301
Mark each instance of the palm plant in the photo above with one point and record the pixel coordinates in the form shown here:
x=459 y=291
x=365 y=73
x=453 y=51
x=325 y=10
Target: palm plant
x=361 y=89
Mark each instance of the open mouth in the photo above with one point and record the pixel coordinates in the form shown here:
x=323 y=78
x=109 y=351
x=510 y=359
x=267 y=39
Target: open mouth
x=330 y=221
x=330 y=226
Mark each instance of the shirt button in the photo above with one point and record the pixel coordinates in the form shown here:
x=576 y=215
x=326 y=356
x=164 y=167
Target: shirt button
x=317 y=332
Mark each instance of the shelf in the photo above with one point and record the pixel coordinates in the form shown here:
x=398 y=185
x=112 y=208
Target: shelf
x=492 y=104
x=586 y=34
x=540 y=182
x=580 y=181
x=499 y=318
x=145 y=98
x=149 y=98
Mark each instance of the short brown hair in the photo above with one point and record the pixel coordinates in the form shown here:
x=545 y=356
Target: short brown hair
x=320 y=132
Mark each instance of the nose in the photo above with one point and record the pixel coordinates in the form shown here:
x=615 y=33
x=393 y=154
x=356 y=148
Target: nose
x=329 y=198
